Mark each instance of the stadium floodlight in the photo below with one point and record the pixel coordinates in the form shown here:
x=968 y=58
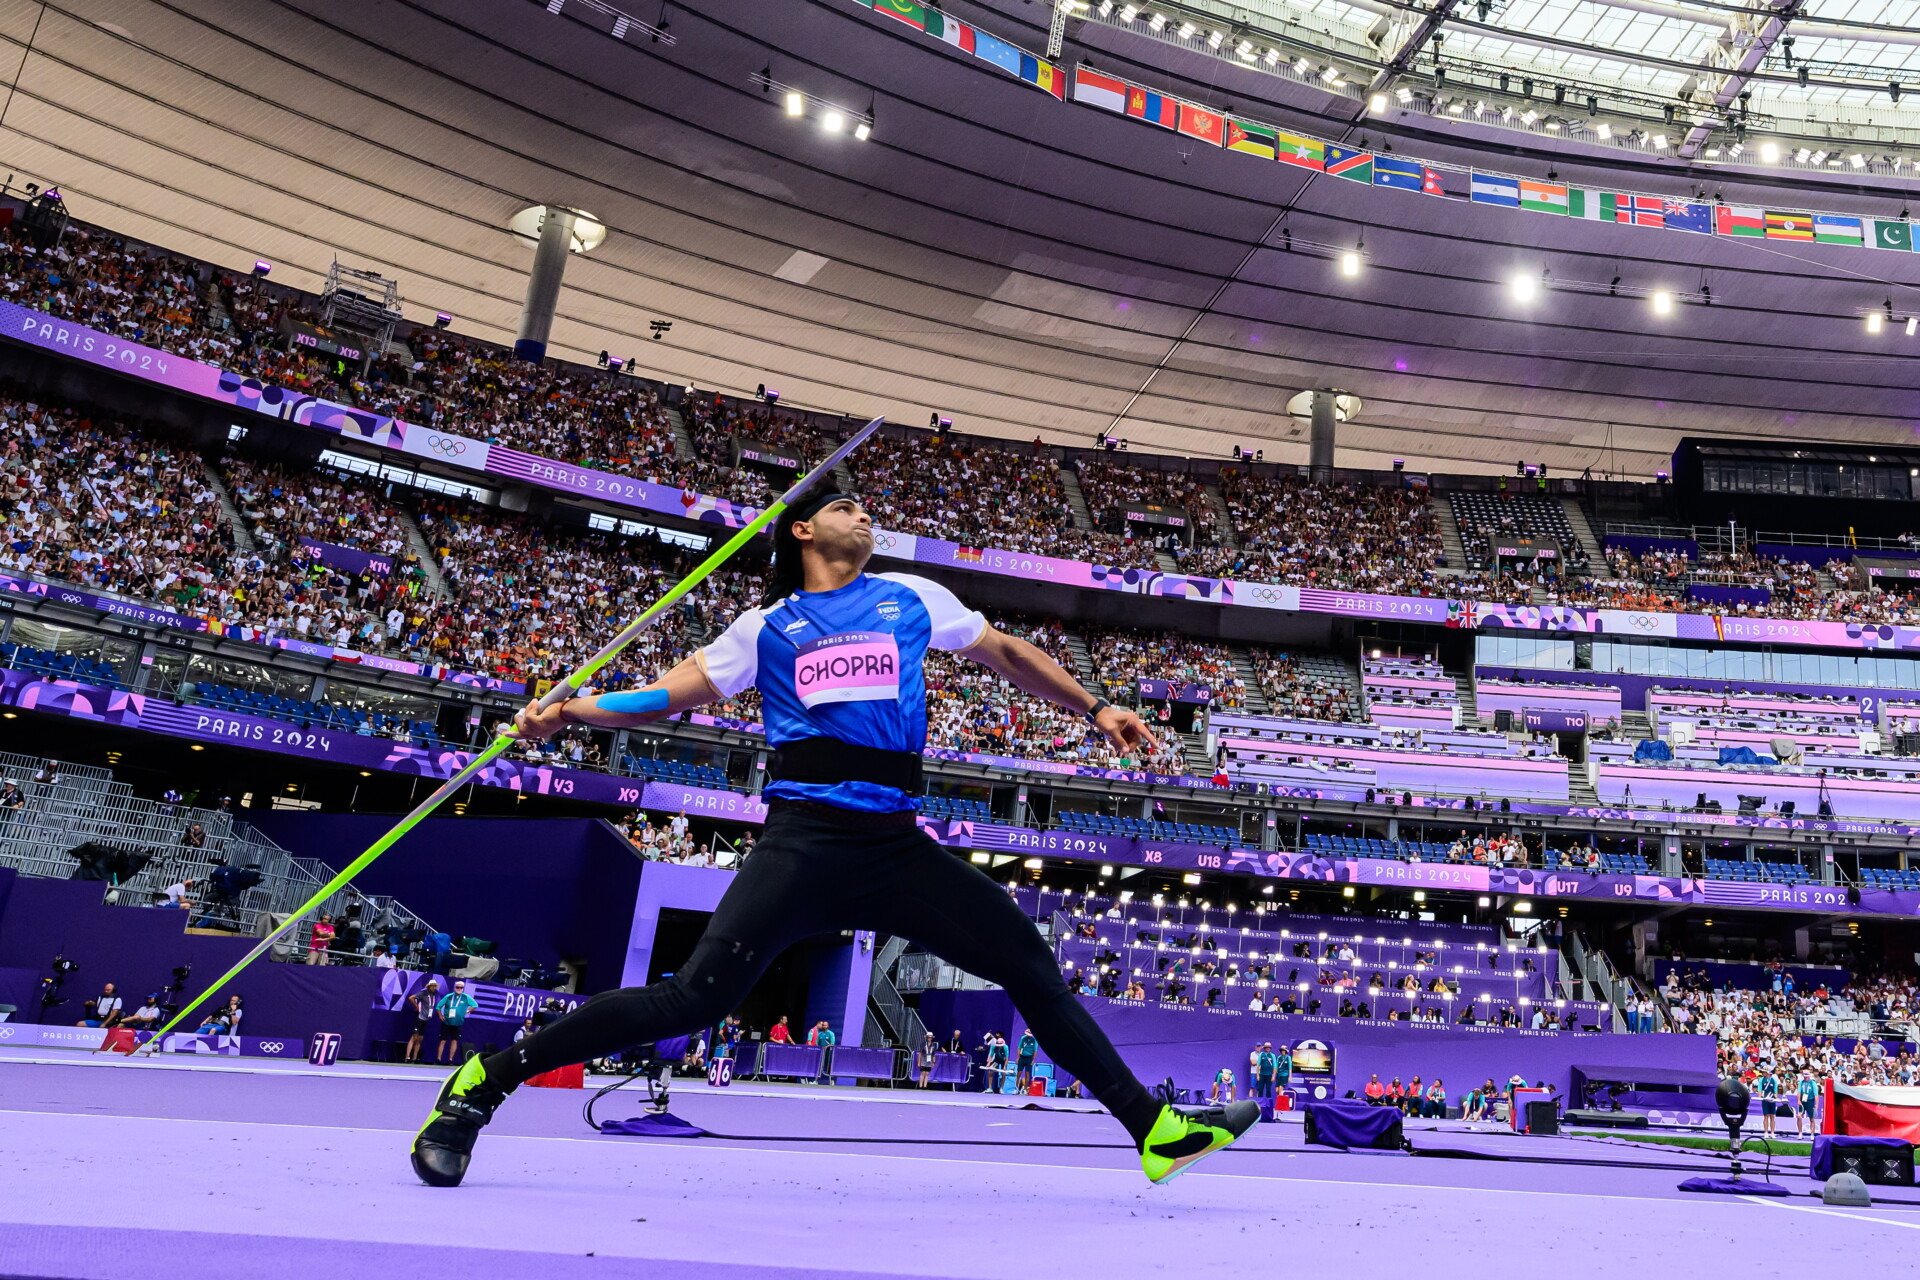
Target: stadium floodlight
x=1769 y=153
x=1215 y=39
x=831 y=121
x=796 y=103
x=1350 y=263
x=1129 y=13
x=1377 y=103
x=1857 y=160
x=1186 y=30
x=1525 y=287
x=1404 y=94
x=261 y=266
x=1603 y=131
x=441 y=320
x=863 y=131
x=1659 y=142
x=1874 y=321
x=1662 y=303
x=1156 y=22
x=1913 y=325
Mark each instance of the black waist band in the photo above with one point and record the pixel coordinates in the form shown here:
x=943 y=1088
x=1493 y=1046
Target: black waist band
x=826 y=761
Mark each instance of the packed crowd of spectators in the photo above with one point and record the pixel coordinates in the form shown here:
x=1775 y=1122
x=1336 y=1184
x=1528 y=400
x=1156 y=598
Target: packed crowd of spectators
x=973 y=493
x=674 y=840
x=969 y=708
x=713 y=423
x=99 y=504
x=533 y=600
x=1778 y=1036
x=1110 y=488
x=1355 y=537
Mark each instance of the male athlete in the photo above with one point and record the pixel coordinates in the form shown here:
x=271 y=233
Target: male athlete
x=836 y=653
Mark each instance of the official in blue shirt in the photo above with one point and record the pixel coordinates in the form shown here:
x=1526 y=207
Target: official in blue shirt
x=837 y=655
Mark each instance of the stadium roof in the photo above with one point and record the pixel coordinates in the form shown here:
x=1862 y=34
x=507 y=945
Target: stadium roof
x=1023 y=265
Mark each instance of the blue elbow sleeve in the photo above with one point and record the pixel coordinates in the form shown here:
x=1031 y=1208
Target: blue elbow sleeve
x=633 y=701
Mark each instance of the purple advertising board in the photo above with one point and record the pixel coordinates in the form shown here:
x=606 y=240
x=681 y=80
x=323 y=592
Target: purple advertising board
x=1166 y=690
x=345 y=559
x=48 y=333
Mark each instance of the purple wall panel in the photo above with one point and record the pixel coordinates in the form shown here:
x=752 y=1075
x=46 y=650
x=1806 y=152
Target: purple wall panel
x=542 y=888
x=1191 y=1044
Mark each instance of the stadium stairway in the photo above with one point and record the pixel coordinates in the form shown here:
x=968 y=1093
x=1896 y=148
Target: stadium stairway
x=1583 y=530
x=1076 y=499
x=1469 y=702
x=242 y=535
x=1194 y=747
x=1222 y=519
x=1243 y=667
x=436 y=584
x=1082 y=661
x=682 y=442
x=1449 y=535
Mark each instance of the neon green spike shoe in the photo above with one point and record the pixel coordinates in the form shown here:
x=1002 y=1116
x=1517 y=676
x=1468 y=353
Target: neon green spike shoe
x=444 y=1145
x=1178 y=1139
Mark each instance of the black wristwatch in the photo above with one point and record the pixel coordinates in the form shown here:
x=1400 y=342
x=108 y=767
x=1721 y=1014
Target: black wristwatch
x=1092 y=713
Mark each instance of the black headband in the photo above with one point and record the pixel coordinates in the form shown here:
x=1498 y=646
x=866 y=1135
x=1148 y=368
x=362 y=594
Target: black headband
x=810 y=504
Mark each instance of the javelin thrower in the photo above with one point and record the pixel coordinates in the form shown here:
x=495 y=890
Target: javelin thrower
x=837 y=653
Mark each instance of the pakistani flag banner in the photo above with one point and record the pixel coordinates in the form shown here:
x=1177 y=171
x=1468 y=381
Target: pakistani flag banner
x=1886 y=233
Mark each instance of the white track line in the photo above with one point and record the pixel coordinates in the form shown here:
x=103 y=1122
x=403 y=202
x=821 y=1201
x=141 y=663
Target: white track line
x=1850 y=1216
x=812 y=1153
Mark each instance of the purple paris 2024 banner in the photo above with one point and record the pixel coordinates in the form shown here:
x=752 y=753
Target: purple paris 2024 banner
x=48 y=333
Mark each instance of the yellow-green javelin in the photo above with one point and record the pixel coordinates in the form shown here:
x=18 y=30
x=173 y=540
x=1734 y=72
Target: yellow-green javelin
x=567 y=688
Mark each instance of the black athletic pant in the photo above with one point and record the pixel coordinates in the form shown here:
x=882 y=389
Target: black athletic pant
x=818 y=870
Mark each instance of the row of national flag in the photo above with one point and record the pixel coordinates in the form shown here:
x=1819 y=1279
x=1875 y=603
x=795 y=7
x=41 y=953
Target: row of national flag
x=1110 y=93
x=970 y=39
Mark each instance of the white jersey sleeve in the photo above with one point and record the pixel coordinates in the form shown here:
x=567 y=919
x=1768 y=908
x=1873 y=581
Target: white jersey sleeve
x=954 y=625
x=732 y=660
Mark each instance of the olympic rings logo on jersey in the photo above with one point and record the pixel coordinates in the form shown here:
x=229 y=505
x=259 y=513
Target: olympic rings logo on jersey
x=446 y=446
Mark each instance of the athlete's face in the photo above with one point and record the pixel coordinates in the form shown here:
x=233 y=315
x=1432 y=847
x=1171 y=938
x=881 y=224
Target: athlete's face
x=841 y=530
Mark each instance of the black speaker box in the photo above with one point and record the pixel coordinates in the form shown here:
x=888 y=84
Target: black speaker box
x=1607 y=1119
x=1543 y=1117
x=1880 y=1167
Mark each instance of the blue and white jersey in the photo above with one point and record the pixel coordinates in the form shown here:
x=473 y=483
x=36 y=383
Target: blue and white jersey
x=844 y=664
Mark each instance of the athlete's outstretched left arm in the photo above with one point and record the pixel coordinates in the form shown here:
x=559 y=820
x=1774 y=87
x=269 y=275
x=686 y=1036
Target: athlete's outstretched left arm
x=1028 y=668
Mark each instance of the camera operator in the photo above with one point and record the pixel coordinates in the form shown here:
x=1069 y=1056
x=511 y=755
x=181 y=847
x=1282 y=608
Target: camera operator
x=144 y=1018
x=224 y=1021
x=103 y=1010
